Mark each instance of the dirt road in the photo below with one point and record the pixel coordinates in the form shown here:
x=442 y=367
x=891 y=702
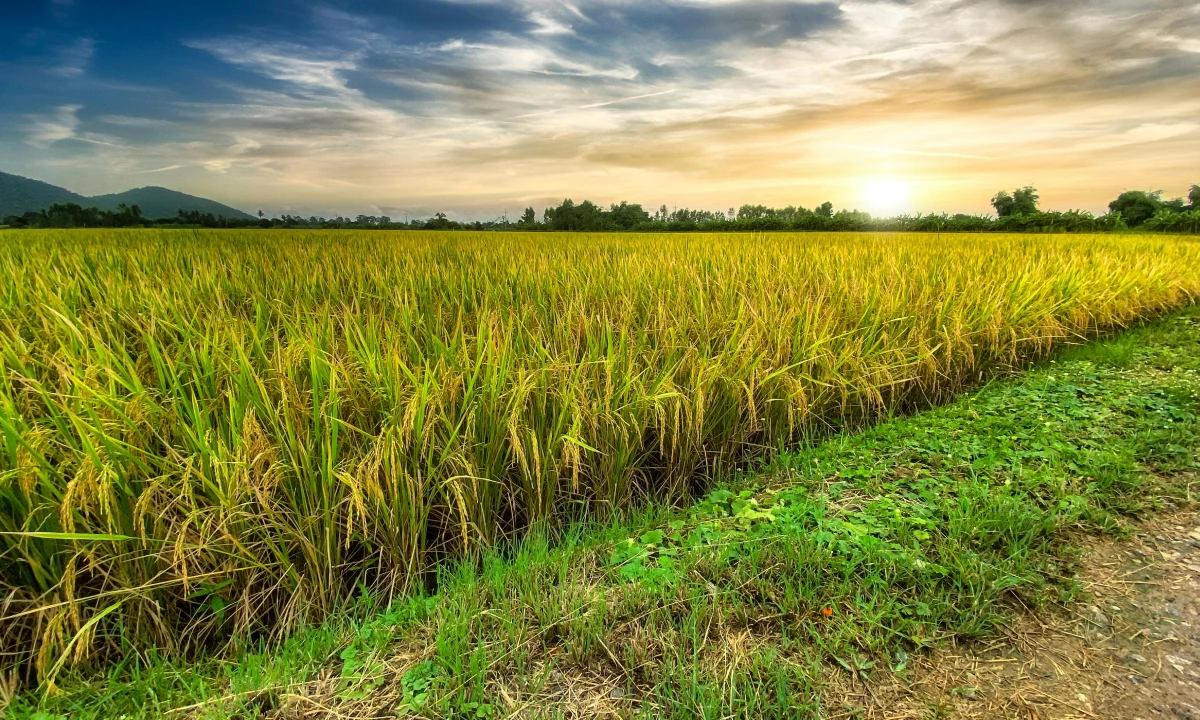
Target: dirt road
x=1131 y=652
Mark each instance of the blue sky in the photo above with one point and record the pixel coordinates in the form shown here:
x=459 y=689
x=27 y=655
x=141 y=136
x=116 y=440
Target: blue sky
x=474 y=106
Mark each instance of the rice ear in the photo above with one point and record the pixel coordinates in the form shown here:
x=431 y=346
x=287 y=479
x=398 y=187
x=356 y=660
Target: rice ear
x=269 y=421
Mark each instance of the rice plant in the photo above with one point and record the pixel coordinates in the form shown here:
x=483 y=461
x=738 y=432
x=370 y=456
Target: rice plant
x=215 y=434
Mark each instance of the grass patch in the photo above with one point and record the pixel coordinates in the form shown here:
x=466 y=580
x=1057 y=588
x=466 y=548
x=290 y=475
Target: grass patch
x=848 y=557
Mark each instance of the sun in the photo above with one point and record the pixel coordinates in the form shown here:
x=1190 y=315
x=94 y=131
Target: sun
x=885 y=198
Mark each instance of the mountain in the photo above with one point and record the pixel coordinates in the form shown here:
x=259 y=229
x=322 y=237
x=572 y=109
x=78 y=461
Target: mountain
x=19 y=195
x=159 y=202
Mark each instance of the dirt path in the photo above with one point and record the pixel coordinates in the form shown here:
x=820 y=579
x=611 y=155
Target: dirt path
x=1132 y=652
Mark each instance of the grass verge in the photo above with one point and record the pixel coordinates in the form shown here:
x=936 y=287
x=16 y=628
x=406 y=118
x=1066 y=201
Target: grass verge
x=845 y=558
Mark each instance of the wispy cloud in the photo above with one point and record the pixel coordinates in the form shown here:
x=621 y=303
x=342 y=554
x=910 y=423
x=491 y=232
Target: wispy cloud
x=605 y=103
x=547 y=25
x=46 y=130
x=916 y=153
x=161 y=169
x=287 y=63
x=73 y=59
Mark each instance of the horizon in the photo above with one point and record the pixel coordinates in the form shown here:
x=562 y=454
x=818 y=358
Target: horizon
x=476 y=107
x=512 y=217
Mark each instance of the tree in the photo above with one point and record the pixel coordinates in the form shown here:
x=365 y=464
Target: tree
x=1023 y=201
x=126 y=216
x=825 y=209
x=1137 y=206
x=70 y=215
x=590 y=217
x=627 y=216
x=560 y=217
x=1194 y=198
x=1003 y=203
x=439 y=221
x=528 y=218
x=753 y=212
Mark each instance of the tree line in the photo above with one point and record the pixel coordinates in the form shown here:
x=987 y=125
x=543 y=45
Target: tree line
x=71 y=215
x=1017 y=211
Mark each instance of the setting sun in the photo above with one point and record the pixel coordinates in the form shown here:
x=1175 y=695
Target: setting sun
x=888 y=197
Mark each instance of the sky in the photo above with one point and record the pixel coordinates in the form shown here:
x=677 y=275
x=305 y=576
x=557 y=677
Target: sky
x=477 y=107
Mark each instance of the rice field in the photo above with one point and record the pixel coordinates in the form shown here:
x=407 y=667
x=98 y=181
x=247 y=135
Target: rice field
x=215 y=434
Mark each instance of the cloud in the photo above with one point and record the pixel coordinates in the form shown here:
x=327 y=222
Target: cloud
x=48 y=129
x=480 y=101
x=133 y=122
x=287 y=63
x=1145 y=133
x=709 y=24
x=605 y=103
x=73 y=60
x=918 y=153
x=546 y=25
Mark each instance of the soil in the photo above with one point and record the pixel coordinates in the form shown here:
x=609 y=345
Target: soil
x=1131 y=651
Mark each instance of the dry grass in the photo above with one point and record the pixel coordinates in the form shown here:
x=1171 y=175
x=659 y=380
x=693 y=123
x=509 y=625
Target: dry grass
x=210 y=434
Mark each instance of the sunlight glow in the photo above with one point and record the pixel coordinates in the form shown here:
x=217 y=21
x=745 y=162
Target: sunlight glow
x=885 y=198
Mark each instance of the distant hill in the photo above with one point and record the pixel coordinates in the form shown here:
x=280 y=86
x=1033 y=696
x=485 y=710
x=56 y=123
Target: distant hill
x=159 y=202
x=19 y=195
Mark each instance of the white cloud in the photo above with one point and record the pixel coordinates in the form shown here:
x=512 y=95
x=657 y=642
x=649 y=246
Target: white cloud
x=287 y=63
x=74 y=59
x=547 y=25
x=46 y=130
x=1144 y=133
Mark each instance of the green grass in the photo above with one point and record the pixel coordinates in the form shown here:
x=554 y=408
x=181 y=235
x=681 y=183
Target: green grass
x=854 y=554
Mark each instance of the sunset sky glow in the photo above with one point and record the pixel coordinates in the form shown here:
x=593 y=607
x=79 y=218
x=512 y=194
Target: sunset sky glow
x=474 y=107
